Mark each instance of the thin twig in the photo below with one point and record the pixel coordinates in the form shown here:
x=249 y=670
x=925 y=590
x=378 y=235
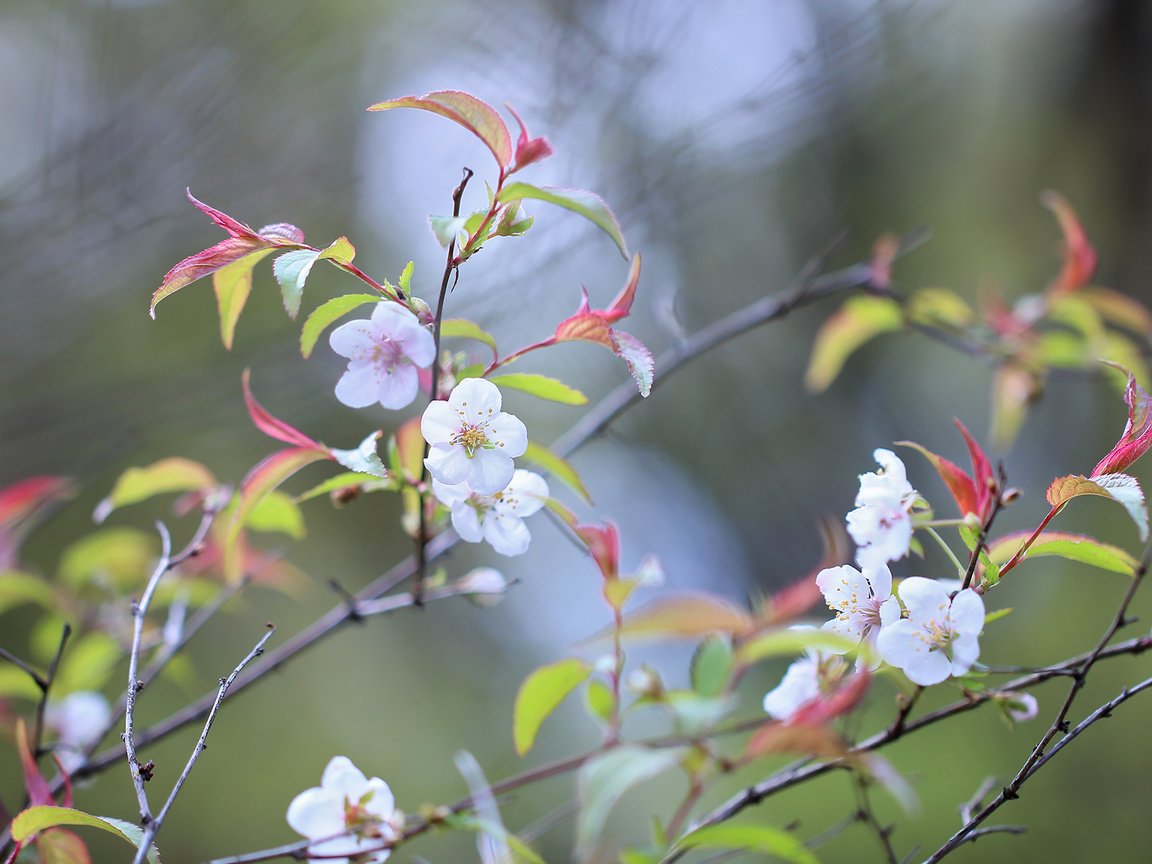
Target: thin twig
x=865 y=814
x=24 y=667
x=153 y=827
x=42 y=705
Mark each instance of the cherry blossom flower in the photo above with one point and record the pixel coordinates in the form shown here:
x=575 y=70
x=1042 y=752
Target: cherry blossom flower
x=1017 y=707
x=484 y=585
x=384 y=352
x=345 y=803
x=814 y=675
x=499 y=518
x=880 y=525
x=78 y=720
x=472 y=440
x=939 y=636
x=859 y=599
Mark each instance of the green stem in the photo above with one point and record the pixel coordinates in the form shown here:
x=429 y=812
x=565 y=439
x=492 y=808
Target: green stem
x=931 y=531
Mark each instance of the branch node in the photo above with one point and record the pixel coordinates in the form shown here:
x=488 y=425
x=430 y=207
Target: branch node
x=1010 y=794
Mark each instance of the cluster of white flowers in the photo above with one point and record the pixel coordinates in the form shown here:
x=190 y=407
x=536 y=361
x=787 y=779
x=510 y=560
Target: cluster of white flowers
x=927 y=628
x=472 y=443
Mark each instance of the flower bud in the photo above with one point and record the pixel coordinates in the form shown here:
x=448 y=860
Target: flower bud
x=485 y=585
x=645 y=681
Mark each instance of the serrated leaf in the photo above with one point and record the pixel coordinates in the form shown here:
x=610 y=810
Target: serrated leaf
x=364 y=458
x=291 y=270
x=232 y=285
x=712 y=664
x=37 y=819
x=755 y=838
x=405 y=280
x=540 y=695
x=340 y=250
x=1072 y=547
x=603 y=779
x=325 y=314
x=589 y=205
x=635 y=354
x=541 y=386
x=687 y=614
x=789 y=642
x=1121 y=488
x=1137 y=437
x=462 y=328
x=174 y=474
x=857 y=322
x=561 y=469
x=478 y=117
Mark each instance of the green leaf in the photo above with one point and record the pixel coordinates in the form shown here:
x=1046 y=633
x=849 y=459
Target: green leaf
x=858 y=321
x=341 y=481
x=462 y=328
x=542 y=387
x=291 y=270
x=1072 y=547
x=687 y=614
x=1121 y=488
x=37 y=819
x=603 y=779
x=540 y=695
x=521 y=851
x=599 y=700
x=478 y=117
x=277 y=513
x=541 y=456
x=712 y=666
x=174 y=474
x=405 y=280
x=446 y=228
x=232 y=285
x=756 y=838
x=325 y=314
x=940 y=306
x=17 y=588
x=785 y=643
x=112 y=557
x=340 y=250
x=88 y=662
x=587 y=204
x=1014 y=389
x=16 y=684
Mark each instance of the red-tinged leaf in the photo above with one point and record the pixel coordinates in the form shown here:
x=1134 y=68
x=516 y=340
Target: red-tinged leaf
x=982 y=475
x=478 y=117
x=36 y=787
x=1119 y=309
x=410 y=449
x=174 y=474
x=824 y=709
x=955 y=478
x=23 y=499
x=233 y=284
x=621 y=306
x=234 y=227
x=271 y=426
x=857 y=322
x=774 y=737
x=587 y=324
x=58 y=846
x=688 y=615
x=1079 y=255
x=603 y=542
x=528 y=149
x=1137 y=437
x=1121 y=488
x=339 y=251
x=589 y=205
x=635 y=354
x=264 y=478
x=1071 y=547
x=282 y=234
x=35 y=819
x=203 y=264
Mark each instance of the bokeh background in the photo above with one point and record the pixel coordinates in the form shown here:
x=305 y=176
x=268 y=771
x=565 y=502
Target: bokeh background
x=735 y=139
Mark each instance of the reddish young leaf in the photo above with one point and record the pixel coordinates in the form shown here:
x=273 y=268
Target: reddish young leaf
x=39 y=792
x=955 y=478
x=1079 y=255
x=621 y=306
x=982 y=476
x=603 y=542
x=528 y=150
x=21 y=500
x=796 y=599
x=233 y=227
x=59 y=846
x=776 y=737
x=1137 y=437
x=273 y=426
x=824 y=709
x=884 y=252
x=478 y=117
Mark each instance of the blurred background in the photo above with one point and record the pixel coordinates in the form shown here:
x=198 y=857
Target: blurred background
x=735 y=140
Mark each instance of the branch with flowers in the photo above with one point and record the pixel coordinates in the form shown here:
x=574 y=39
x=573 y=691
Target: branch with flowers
x=455 y=470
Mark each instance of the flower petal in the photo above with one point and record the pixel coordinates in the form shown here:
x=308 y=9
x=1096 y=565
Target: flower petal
x=449 y=464
x=359 y=386
x=929 y=669
x=449 y=495
x=490 y=472
x=967 y=613
x=355 y=340
x=439 y=422
x=508 y=535
x=508 y=433
x=477 y=398
x=925 y=599
x=382 y=803
x=316 y=812
x=344 y=778
x=526 y=493
x=398 y=387
x=466 y=521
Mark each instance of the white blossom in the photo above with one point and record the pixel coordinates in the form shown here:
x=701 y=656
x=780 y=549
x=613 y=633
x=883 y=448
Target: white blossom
x=345 y=803
x=485 y=585
x=815 y=674
x=383 y=353
x=940 y=635
x=78 y=720
x=881 y=525
x=859 y=599
x=471 y=440
x=499 y=518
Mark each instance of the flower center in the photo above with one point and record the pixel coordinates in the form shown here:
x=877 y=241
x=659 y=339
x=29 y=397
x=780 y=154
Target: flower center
x=388 y=353
x=471 y=438
x=935 y=634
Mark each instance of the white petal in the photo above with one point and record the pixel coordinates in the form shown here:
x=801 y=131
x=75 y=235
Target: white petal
x=847 y=627
x=316 y=812
x=418 y=343
x=843 y=585
x=491 y=471
x=439 y=422
x=526 y=493
x=341 y=776
x=924 y=599
x=382 y=803
x=448 y=463
x=967 y=613
x=889 y=611
x=880 y=579
x=450 y=495
x=355 y=340
x=508 y=535
x=478 y=398
x=508 y=433
x=359 y=386
x=799 y=686
x=466 y=521
x=965 y=652
x=397 y=389
x=899 y=644
x=932 y=668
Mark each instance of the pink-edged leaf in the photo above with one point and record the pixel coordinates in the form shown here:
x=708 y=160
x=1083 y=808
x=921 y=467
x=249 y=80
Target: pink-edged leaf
x=475 y=115
x=233 y=227
x=824 y=709
x=204 y=264
x=955 y=478
x=688 y=615
x=800 y=596
x=775 y=737
x=282 y=234
x=21 y=500
x=621 y=306
x=232 y=284
x=59 y=846
x=641 y=364
x=36 y=787
x=1072 y=547
x=1121 y=488
x=1079 y=255
x=274 y=427
x=982 y=477
x=603 y=542
x=586 y=325
x=885 y=251
x=528 y=149
x=1137 y=437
